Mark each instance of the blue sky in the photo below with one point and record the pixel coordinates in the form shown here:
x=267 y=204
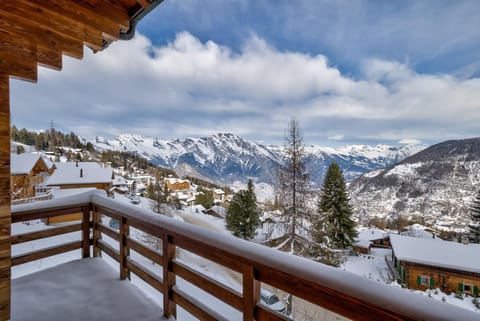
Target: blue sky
x=362 y=72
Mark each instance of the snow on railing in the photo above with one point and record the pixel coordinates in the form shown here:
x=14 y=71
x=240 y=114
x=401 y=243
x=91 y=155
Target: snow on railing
x=45 y=197
x=344 y=293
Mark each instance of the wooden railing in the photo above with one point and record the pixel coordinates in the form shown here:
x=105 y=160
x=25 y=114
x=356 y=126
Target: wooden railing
x=341 y=292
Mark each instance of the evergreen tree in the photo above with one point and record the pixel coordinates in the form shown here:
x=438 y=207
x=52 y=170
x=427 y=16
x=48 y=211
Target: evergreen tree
x=157 y=192
x=475 y=217
x=294 y=181
x=334 y=229
x=243 y=215
x=204 y=198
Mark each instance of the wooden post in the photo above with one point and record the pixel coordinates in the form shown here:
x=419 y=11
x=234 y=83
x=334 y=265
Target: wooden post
x=5 y=213
x=124 y=249
x=86 y=232
x=96 y=233
x=251 y=293
x=169 y=279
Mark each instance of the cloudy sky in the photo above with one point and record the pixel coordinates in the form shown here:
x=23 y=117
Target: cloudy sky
x=362 y=72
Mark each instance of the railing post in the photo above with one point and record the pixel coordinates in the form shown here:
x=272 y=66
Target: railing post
x=86 y=232
x=124 y=250
x=96 y=233
x=169 y=279
x=251 y=293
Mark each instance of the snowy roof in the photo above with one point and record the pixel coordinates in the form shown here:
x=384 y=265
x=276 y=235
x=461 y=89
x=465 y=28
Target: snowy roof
x=173 y=180
x=69 y=173
x=22 y=163
x=218 y=191
x=371 y=234
x=432 y=252
x=119 y=180
x=417 y=230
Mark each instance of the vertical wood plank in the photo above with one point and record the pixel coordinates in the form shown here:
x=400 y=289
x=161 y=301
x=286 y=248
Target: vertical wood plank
x=5 y=211
x=97 y=235
x=124 y=249
x=169 y=279
x=251 y=293
x=86 y=232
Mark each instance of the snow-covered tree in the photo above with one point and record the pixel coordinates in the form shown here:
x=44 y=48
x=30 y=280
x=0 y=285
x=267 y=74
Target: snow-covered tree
x=294 y=182
x=158 y=193
x=475 y=217
x=334 y=229
x=243 y=215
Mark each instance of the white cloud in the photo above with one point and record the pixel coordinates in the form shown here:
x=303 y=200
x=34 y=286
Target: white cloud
x=189 y=87
x=410 y=141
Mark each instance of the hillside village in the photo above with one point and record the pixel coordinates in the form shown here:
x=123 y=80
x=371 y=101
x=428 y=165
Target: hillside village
x=378 y=253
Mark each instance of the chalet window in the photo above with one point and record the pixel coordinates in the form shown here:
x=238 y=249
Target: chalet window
x=425 y=280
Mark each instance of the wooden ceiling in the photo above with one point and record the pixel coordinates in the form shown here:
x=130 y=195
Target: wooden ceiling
x=34 y=32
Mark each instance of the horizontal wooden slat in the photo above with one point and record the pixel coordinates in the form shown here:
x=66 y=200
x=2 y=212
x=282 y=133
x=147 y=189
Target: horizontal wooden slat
x=108 y=231
x=108 y=212
x=146 y=276
x=51 y=251
x=18 y=55
x=38 y=214
x=20 y=238
x=145 y=251
x=108 y=249
x=263 y=314
x=110 y=9
x=209 y=285
x=193 y=306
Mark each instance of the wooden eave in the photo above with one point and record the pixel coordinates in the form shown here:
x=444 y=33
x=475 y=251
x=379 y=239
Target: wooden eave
x=39 y=32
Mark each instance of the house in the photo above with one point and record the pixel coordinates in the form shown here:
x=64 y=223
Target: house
x=432 y=263
x=120 y=185
x=176 y=184
x=219 y=196
x=79 y=175
x=371 y=237
x=27 y=171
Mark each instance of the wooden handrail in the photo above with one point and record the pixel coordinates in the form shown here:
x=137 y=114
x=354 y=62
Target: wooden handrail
x=339 y=291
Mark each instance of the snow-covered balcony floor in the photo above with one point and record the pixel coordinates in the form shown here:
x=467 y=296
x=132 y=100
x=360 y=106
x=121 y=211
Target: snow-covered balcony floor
x=86 y=289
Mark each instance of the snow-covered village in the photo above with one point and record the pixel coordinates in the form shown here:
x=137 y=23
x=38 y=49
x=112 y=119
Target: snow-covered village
x=239 y=160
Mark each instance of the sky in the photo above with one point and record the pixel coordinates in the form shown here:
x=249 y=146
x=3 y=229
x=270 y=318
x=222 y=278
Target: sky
x=351 y=72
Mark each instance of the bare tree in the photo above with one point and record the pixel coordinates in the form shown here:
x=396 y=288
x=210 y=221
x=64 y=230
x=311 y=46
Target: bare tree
x=293 y=183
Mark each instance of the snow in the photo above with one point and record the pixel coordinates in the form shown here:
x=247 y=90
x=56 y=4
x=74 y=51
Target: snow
x=371 y=234
x=404 y=169
x=79 y=173
x=452 y=255
x=263 y=191
x=23 y=163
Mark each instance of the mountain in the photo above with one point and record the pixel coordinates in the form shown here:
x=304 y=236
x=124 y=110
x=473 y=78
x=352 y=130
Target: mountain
x=226 y=158
x=437 y=182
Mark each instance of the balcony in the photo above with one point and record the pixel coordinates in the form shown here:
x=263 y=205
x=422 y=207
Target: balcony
x=74 y=289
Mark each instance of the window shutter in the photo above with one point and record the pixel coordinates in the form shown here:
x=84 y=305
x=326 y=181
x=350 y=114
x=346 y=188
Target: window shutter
x=460 y=287
x=432 y=283
x=475 y=290
x=419 y=280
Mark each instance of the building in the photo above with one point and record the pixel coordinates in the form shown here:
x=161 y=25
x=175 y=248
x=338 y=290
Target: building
x=27 y=171
x=176 y=184
x=371 y=237
x=432 y=263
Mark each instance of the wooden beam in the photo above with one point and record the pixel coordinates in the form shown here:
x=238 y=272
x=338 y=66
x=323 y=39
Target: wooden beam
x=45 y=37
x=55 y=21
x=108 y=8
x=18 y=56
x=144 y=3
x=5 y=212
x=82 y=14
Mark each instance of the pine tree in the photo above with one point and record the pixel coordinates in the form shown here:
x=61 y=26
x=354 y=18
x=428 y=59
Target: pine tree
x=475 y=217
x=243 y=215
x=293 y=182
x=334 y=229
x=158 y=193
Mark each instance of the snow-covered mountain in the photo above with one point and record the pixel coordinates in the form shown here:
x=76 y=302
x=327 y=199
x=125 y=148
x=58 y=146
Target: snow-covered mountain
x=438 y=181
x=226 y=158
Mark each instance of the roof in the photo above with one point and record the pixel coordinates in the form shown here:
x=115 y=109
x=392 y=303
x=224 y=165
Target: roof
x=371 y=234
x=23 y=163
x=69 y=173
x=451 y=255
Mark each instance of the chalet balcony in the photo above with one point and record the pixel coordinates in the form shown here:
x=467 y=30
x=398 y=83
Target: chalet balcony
x=90 y=288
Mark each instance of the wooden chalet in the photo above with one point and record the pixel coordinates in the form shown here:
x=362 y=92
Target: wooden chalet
x=27 y=171
x=177 y=184
x=39 y=32
x=432 y=263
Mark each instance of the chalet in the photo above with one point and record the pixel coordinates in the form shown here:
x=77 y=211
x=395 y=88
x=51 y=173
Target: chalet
x=176 y=184
x=81 y=174
x=27 y=171
x=432 y=263
x=219 y=196
x=371 y=237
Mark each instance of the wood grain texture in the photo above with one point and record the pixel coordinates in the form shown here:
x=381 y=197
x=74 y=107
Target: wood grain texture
x=169 y=279
x=50 y=251
x=5 y=213
x=32 y=236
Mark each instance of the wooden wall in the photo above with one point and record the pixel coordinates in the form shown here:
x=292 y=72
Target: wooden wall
x=5 y=215
x=445 y=279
